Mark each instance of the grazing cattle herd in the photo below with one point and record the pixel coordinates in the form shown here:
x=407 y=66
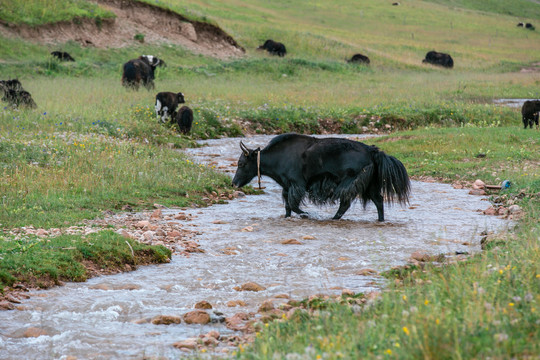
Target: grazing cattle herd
x=141 y=71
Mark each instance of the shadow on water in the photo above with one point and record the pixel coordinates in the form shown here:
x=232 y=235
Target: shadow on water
x=243 y=242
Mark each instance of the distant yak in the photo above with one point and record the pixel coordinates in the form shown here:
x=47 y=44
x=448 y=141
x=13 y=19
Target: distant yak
x=439 y=59
x=273 y=47
x=184 y=119
x=359 y=59
x=529 y=112
x=15 y=95
x=62 y=55
x=140 y=70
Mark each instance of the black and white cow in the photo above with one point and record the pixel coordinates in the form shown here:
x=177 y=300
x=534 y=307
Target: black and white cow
x=166 y=104
x=62 y=55
x=184 y=119
x=15 y=95
x=140 y=70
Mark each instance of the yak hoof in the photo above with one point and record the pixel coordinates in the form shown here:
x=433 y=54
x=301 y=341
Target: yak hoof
x=304 y=215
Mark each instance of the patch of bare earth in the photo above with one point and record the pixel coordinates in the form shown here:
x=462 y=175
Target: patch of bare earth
x=534 y=68
x=132 y=17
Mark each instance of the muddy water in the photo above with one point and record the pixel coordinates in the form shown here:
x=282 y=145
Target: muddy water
x=91 y=323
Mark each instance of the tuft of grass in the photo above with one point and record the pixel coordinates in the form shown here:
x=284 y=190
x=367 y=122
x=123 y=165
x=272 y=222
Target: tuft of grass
x=45 y=262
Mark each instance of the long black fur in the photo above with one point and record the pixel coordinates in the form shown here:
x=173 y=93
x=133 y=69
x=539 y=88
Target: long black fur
x=327 y=171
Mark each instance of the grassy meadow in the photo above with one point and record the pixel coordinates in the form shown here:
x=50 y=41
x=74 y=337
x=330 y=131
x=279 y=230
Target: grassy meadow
x=93 y=146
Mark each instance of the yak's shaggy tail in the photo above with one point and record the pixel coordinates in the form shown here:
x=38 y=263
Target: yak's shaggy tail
x=395 y=182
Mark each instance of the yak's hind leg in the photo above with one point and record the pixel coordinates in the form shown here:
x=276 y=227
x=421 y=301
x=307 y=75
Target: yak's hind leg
x=377 y=199
x=344 y=205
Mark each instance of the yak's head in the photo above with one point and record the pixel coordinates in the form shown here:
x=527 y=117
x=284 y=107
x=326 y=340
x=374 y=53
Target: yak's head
x=152 y=60
x=247 y=166
x=180 y=98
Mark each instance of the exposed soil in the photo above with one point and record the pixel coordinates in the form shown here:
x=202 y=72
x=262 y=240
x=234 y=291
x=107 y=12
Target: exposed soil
x=132 y=17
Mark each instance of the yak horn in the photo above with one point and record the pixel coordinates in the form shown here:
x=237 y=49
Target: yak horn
x=244 y=148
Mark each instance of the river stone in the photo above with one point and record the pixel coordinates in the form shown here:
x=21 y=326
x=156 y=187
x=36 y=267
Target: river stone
x=267 y=305
x=34 y=332
x=156 y=215
x=479 y=184
x=190 y=343
x=166 y=320
x=477 y=192
x=142 y=224
x=6 y=305
x=174 y=233
x=234 y=303
x=197 y=317
x=213 y=333
x=308 y=237
x=203 y=305
x=366 y=272
x=490 y=211
x=291 y=242
x=420 y=255
x=250 y=286
x=513 y=209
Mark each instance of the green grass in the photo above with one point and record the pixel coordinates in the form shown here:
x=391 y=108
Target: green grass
x=43 y=262
x=39 y=12
x=484 y=307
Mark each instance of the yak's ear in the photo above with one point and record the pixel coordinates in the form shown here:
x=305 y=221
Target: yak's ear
x=244 y=148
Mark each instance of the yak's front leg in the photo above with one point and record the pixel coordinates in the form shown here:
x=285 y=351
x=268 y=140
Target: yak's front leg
x=285 y=195
x=294 y=198
x=344 y=205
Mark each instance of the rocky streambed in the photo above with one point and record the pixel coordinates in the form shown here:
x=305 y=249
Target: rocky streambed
x=234 y=258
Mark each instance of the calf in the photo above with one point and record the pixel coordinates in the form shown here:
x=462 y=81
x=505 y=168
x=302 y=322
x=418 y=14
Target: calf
x=439 y=59
x=184 y=119
x=62 y=55
x=529 y=113
x=140 y=70
x=359 y=59
x=273 y=47
x=166 y=104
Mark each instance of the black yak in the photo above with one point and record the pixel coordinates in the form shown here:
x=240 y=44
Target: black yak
x=529 y=113
x=62 y=55
x=184 y=119
x=529 y=26
x=15 y=95
x=326 y=170
x=273 y=47
x=140 y=70
x=440 y=59
x=166 y=104
x=359 y=59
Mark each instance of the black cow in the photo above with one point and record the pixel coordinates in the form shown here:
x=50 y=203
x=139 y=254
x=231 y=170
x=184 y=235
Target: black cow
x=273 y=47
x=439 y=59
x=166 y=104
x=327 y=171
x=359 y=59
x=529 y=26
x=140 y=70
x=184 y=119
x=62 y=55
x=15 y=95
x=520 y=24
x=529 y=113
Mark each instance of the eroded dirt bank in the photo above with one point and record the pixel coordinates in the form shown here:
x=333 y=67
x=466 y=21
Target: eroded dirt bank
x=132 y=17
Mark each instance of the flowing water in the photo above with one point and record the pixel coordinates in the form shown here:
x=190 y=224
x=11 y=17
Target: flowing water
x=243 y=243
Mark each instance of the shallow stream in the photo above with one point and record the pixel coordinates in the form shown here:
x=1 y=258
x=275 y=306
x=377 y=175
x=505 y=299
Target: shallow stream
x=243 y=243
